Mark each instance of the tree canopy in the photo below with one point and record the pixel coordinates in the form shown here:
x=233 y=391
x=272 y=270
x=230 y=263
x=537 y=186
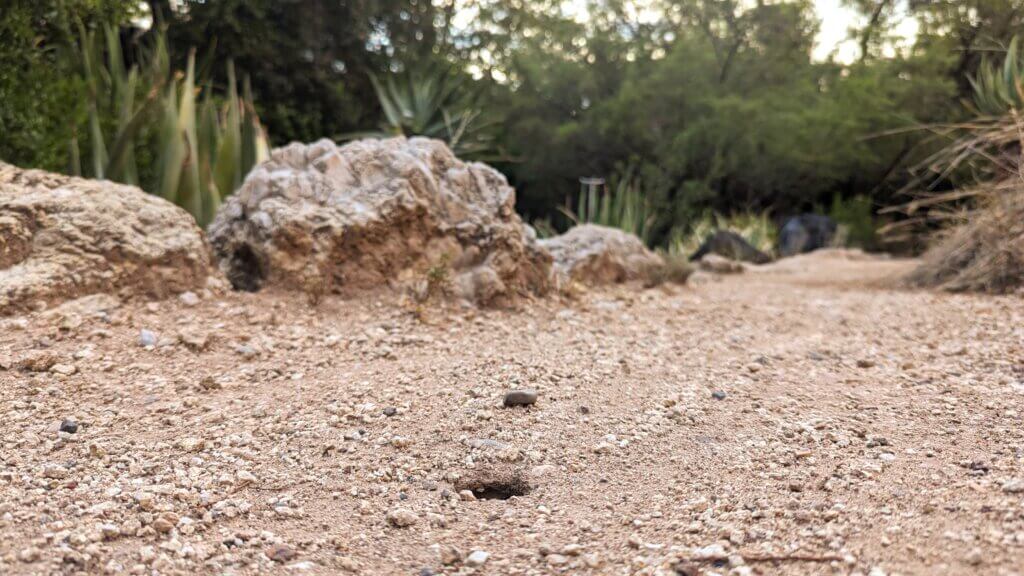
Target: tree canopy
x=707 y=104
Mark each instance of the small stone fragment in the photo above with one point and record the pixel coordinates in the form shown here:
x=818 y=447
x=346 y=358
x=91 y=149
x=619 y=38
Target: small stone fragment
x=163 y=525
x=402 y=517
x=68 y=425
x=147 y=338
x=477 y=558
x=280 y=553
x=556 y=560
x=194 y=341
x=1014 y=486
x=521 y=397
x=450 y=555
x=64 y=369
x=209 y=383
x=188 y=298
x=55 y=471
x=718 y=395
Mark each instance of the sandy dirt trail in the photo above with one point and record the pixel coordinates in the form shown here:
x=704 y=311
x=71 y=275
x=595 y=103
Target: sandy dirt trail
x=803 y=419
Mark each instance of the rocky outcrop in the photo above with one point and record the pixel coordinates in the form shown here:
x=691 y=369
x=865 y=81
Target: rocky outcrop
x=63 y=237
x=321 y=218
x=592 y=254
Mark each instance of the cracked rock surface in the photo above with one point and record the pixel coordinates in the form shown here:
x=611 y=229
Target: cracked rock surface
x=63 y=237
x=322 y=218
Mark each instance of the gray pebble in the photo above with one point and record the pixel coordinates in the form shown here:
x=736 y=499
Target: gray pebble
x=521 y=397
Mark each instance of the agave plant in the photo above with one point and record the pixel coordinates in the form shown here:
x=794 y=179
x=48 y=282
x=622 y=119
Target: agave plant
x=625 y=205
x=1000 y=88
x=434 y=104
x=203 y=146
x=111 y=92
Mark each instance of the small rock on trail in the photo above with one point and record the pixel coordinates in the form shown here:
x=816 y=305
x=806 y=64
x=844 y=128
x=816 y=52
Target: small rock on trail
x=521 y=397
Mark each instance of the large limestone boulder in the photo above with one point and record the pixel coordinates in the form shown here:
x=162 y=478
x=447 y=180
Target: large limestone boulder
x=592 y=254
x=63 y=237
x=372 y=213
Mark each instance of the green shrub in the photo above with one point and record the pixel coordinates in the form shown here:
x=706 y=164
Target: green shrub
x=756 y=228
x=856 y=222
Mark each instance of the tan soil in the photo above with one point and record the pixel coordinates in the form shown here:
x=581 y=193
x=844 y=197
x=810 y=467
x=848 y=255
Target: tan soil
x=863 y=430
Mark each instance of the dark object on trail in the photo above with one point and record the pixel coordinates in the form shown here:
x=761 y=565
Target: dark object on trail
x=806 y=233
x=732 y=246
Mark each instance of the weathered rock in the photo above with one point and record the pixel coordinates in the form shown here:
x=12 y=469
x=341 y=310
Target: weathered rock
x=63 y=237
x=731 y=245
x=320 y=218
x=806 y=233
x=594 y=254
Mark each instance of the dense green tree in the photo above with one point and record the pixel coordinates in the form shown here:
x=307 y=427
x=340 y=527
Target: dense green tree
x=310 y=60
x=705 y=104
x=40 y=100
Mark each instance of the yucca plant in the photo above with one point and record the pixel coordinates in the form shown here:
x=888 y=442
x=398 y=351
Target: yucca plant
x=202 y=146
x=624 y=205
x=111 y=99
x=999 y=88
x=436 y=104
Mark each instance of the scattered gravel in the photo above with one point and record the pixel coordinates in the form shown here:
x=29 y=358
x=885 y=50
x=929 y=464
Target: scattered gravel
x=340 y=445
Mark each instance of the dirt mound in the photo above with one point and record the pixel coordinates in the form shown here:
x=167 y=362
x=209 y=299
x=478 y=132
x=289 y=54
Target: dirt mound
x=594 y=254
x=321 y=218
x=986 y=254
x=63 y=237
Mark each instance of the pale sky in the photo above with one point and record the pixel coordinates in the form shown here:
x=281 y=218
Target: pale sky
x=836 y=21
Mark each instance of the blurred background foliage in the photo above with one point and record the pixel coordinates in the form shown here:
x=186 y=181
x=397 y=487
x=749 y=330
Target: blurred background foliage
x=713 y=107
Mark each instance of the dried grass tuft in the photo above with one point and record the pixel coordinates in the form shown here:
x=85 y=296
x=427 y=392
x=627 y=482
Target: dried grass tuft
x=981 y=248
x=985 y=253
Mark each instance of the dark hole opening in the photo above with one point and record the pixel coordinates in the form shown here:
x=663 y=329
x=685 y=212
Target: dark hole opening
x=499 y=491
x=499 y=487
x=244 y=270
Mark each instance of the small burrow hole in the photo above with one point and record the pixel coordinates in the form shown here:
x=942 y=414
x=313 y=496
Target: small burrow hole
x=487 y=486
x=244 y=270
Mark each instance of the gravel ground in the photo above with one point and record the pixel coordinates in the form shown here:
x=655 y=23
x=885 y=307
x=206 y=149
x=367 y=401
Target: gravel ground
x=800 y=420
